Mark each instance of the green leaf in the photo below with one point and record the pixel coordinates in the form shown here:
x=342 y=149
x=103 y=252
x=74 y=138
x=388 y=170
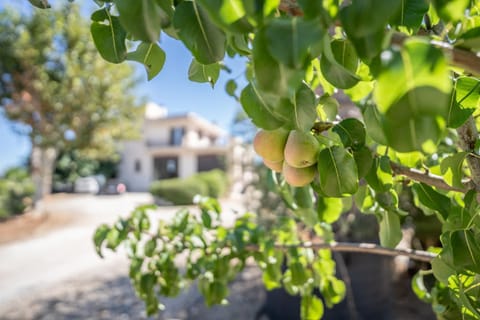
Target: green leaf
x=150 y=247
x=339 y=63
x=374 y=124
x=311 y=308
x=418 y=64
x=415 y=122
x=329 y=209
x=411 y=14
x=451 y=10
x=364 y=199
x=388 y=200
x=337 y=172
x=108 y=36
x=198 y=72
x=271 y=76
x=143 y=19
x=229 y=15
x=299 y=111
x=204 y=40
x=470 y=39
x=291 y=40
x=42 y=4
x=452 y=169
x=206 y=219
x=231 y=87
x=147 y=283
x=352 y=133
x=303 y=197
x=151 y=56
x=257 y=109
x=390 y=232
x=465 y=100
x=333 y=291
x=99 y=237
x=299 y=273
x=364 y=159
x=271 y=278
x=113 y=238
x=327 y=108
x=380 y=177
x=419 y=288
x=367 y=31
x=432 y=199
x=358 y=23
x=466 y=249
x=441 y=270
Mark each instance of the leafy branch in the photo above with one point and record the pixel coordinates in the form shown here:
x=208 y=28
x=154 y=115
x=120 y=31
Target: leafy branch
x=356 y=247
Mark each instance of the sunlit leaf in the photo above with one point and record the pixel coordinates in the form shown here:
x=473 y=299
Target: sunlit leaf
x=339 y=63
x=337 y=172
x=142 y=18
x=204 y=73
x=205 y=40
x=258 y=110
x=452 y=169
x=411 y=14
x=291 y=41
x=390 y=231
x=108 y=36
x=329 y=209
x=311 y=307
x=151 y=56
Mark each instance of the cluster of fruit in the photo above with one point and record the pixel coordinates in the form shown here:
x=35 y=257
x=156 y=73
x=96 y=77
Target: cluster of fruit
x=293 y=153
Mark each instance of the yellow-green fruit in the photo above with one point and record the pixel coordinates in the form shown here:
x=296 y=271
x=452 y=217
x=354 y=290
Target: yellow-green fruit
x=298 y=177
x=269 y=144
x=275 y=166
x=301 y=149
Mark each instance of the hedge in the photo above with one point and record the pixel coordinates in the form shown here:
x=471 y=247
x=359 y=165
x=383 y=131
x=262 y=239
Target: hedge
x=182 y=191
x=16 y=191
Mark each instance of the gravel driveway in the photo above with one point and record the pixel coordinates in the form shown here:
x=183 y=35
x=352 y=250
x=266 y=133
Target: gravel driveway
x=59 y=276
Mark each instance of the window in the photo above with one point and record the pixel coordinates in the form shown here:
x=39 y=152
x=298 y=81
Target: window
x=165 y=167
x=210 y=162
x=138 y=166
x=176 y=136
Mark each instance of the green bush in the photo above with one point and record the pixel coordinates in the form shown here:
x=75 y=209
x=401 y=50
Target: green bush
x=182 y=191
x=216 y=181
x=16 y=191
x=178 y=191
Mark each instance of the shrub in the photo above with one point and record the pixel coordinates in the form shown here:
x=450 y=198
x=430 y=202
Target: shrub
x=16 y=191
x=182 y=191
x=216 y=181
x=178 y=191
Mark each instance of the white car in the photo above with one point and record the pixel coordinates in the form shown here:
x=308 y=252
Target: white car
x=86 y=185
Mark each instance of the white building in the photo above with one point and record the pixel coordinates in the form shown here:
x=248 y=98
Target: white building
x=179 y=146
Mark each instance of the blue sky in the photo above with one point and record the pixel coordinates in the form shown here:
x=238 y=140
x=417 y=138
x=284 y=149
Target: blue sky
x=171 y=88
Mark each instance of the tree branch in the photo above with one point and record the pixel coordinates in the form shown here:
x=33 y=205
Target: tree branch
x=369 y=248
x=464 y=59
x=425 y=177
x=468 y=135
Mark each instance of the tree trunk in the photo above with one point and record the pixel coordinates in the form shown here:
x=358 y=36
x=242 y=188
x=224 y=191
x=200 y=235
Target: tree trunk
x=42 y=165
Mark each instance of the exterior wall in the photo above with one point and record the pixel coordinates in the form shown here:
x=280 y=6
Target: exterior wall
x=200 y=138
x=136 y=151
x=156 y=135
x=187 y=164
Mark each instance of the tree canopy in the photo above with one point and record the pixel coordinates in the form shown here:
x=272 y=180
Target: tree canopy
x=411 y=69
x=54 y=81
